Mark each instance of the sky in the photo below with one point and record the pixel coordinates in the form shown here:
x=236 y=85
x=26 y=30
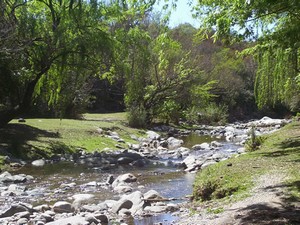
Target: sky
x=182 y=14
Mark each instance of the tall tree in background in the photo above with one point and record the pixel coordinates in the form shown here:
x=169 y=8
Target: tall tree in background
x=46 y=44
x=275 y=27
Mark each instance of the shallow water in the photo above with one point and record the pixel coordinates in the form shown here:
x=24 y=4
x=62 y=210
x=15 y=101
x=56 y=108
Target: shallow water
x=193 y=139
x=160 y=175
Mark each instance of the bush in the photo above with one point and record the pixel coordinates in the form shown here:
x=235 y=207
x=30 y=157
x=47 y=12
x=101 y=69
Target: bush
x=214 y=114
x=137 y=117
x=191 y=115
x=254 y=142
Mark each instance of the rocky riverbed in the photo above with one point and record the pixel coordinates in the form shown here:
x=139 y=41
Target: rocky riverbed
x=125 y=186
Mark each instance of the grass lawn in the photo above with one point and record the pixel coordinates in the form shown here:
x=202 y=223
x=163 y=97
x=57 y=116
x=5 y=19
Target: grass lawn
x=279 y=153
x=43 y=137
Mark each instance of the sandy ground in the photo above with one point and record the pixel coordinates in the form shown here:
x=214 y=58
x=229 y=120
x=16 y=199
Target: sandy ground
x=267 y=205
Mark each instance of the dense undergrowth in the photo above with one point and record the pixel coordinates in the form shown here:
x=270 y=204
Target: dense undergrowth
x=234 y=178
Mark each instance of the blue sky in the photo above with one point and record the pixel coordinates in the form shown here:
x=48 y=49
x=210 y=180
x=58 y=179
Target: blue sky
x=182 y=14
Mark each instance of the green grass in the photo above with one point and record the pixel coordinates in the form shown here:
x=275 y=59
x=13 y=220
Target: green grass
x=279 y=153
x=43 y=137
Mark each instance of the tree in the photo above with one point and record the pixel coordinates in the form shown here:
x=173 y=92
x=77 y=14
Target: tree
x=274 y=26
x=49 y=44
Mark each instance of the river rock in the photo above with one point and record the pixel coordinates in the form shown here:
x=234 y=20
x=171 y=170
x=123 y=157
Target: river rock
x=68 y=186
x=123 y=203
x=208 y=163
x=62 y=207
x=103 y=218
x=203 y=146
x=16 y=208
x=156 y=208
x=73 y=220
x=219 y=156
x=13 y=190
x=267 y=122
x=39 y=162
x=6 y=177
x=125 y=160
x=22 y=221
x=152 y=195
x=174 y=143
x=216 y=144
x=42 y=208
x=79 y=199
x=91 y=219
x=152 y=135
x=46 y=217
x=123 y=189
x=25 y=214
x=138 y=202
x=134 y=202
x=125 y=178
x=189 y=161
x=139 y=163
x=110 y=179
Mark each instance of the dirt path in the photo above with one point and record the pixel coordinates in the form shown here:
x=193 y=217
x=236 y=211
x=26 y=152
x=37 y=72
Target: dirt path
x=267 y=205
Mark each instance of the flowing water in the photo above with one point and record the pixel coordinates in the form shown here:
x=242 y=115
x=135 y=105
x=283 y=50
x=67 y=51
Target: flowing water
x=161 y=175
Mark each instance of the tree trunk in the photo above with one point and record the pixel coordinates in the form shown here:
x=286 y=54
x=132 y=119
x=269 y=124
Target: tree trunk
x=7 y=115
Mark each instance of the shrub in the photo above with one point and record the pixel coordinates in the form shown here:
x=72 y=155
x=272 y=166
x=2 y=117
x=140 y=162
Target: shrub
x=137 y=117
x=214 y=114
x=191 y=115
x=254 y=142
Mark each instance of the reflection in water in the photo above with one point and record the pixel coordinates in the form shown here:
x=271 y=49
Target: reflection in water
x=193 y=139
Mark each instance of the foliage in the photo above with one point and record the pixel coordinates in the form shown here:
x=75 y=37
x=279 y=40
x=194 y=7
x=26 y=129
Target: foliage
x=254 y=142
x=276 y=77
x=274 y=27
x=231 y=72
x=53 y=47
x=156 y=72
x=213 y=114
x=137 y=117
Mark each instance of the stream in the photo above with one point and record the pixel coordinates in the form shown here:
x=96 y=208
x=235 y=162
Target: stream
x=59 y=181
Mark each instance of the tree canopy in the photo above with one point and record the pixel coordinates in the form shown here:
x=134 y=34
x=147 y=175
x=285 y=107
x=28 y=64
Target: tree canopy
x=274 y=27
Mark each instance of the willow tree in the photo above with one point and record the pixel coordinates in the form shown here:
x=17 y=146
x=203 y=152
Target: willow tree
x=48 y=46
x=274 y=26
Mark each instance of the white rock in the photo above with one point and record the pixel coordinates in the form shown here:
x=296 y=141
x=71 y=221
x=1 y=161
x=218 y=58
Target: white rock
x=39 y=162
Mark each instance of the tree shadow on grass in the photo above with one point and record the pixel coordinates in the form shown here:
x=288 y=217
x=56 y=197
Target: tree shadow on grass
x=286 y=147
x=284 y=213
x=14 y=140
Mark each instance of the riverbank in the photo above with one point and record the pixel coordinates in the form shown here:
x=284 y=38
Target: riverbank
x=156 y=160
x=42 y=138
x=260 y=187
